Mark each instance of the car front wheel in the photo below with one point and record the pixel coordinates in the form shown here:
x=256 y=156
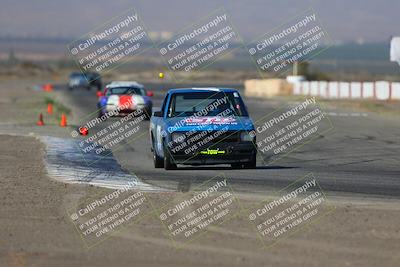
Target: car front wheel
x=148 y=114
x=168 y=165
x=252 y=164
x=158 y=161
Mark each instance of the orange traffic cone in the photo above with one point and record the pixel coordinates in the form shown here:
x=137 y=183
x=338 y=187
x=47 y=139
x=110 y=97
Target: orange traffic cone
x=50 y=108
x=63 y=122
x=48 y=87
x=40 y=122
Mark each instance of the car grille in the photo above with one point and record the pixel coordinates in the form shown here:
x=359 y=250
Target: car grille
x=216 y=137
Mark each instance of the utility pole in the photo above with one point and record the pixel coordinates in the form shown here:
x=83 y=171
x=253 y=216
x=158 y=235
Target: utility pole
x=295 y=68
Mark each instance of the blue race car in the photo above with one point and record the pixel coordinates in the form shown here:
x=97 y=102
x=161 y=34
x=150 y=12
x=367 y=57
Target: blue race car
x=202 y=126
x=78 y=80
x=125 y=97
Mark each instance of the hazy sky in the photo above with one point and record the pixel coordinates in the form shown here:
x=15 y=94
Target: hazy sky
x=345 y=20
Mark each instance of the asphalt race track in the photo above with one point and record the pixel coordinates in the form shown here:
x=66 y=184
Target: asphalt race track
x=359 y=156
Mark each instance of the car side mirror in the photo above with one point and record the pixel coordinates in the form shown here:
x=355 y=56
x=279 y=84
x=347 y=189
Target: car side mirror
x=150 y=93
x=157 y=114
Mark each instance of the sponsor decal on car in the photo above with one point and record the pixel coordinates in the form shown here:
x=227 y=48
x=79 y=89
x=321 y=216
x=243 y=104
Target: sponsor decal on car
x=212 y=152
x=210 y=120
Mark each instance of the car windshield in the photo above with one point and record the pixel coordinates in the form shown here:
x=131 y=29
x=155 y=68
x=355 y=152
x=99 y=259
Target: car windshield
x=202 y=104
x=126 y=91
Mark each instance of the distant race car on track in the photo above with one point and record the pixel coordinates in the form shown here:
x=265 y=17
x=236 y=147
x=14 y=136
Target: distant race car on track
x=125 y=97
x=200 y=126
x=85 y=80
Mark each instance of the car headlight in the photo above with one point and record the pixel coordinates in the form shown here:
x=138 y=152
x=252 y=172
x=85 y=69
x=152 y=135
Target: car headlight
x=247 y=136
x=178 y=137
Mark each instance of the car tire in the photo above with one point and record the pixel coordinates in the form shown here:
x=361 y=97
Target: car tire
x=252 y=164
x=158 y=161
x=148 y=114
x=168 y=165
x=100 y=113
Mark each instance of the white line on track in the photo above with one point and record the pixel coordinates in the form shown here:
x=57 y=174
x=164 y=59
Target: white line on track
x=342 y=114
x=64 y=162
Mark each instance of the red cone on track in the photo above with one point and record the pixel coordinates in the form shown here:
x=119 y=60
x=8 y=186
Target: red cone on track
x=50 y=108
x=40 y=122
x=47 y=87
x=83 y=131
x=63 y=122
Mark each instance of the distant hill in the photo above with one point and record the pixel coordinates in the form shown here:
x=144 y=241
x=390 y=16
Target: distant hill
x=365 y=59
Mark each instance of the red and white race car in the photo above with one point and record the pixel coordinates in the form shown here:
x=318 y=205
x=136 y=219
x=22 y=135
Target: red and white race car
x=125 y=97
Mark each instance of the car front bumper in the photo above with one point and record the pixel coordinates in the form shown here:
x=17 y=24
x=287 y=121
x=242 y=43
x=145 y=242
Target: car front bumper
x=220 y=153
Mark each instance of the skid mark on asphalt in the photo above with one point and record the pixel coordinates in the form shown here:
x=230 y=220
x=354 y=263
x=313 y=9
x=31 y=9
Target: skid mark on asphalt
x=64 y=162
x=344 y=114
